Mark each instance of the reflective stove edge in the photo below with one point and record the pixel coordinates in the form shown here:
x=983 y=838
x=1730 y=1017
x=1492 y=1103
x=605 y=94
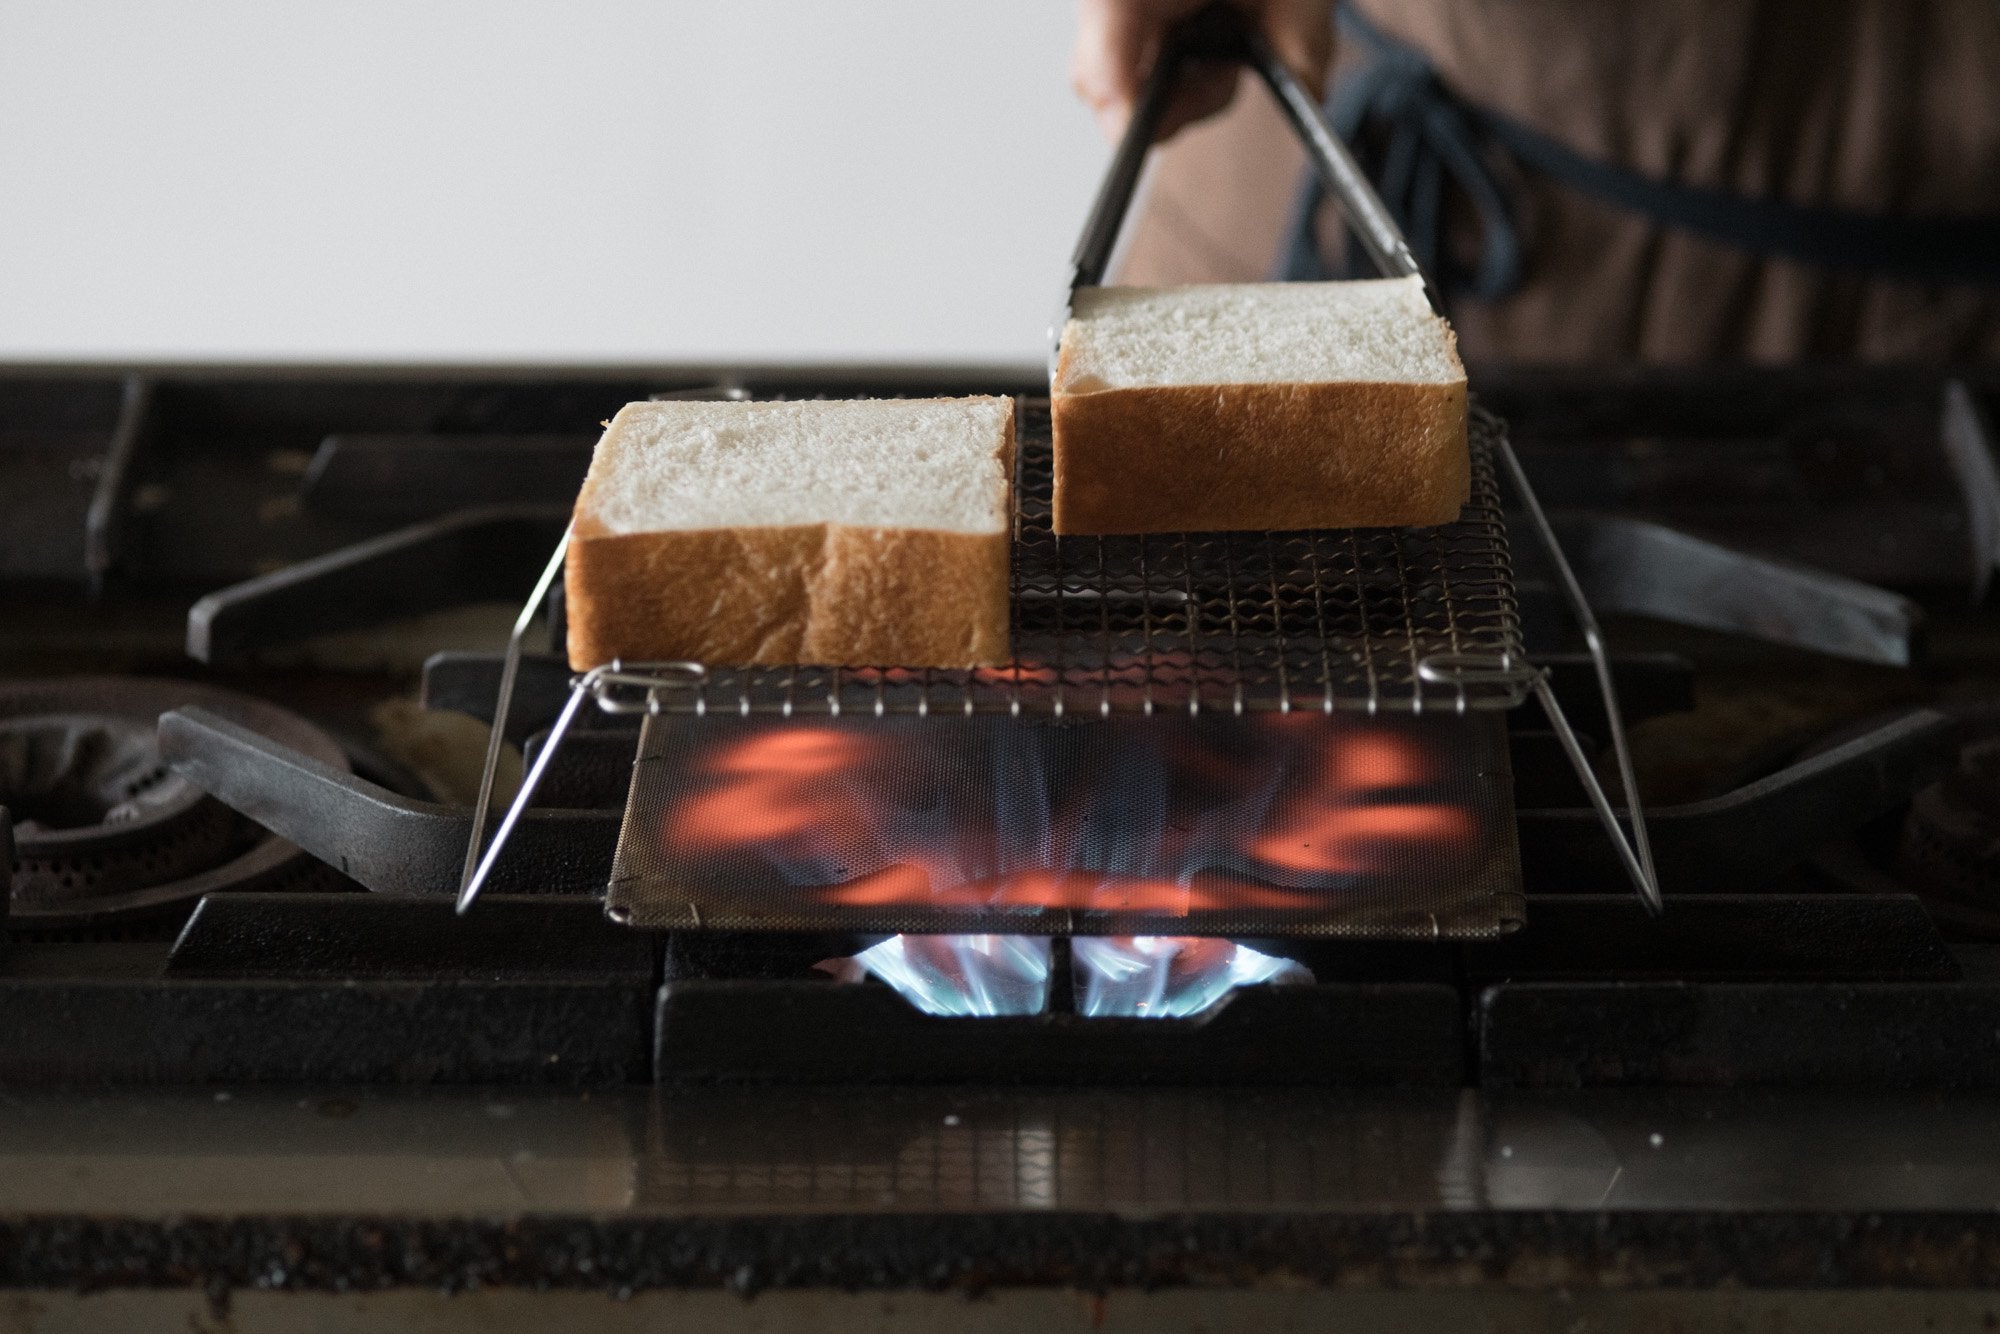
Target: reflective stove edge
x=1129 y=1153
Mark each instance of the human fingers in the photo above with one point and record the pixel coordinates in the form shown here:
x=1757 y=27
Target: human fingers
x=1117 y=43
x=1301 y=34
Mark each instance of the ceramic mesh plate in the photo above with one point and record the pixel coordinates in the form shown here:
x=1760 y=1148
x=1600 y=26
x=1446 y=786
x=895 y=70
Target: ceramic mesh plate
x=1260 y=824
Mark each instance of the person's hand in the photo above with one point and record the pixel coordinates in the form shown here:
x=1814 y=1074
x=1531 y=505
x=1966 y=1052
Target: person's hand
x=1117 y=42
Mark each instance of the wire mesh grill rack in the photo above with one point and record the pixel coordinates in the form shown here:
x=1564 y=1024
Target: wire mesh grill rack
x=1394 y=621
x=1236 y=622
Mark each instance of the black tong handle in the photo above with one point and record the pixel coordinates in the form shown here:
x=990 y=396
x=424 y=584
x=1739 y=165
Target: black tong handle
x=1222 y=32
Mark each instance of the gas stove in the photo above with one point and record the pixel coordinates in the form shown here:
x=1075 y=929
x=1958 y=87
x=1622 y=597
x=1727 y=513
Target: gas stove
x=312 y=573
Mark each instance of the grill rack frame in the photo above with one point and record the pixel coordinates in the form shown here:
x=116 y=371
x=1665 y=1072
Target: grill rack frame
x=1470 y=679
x=1502 y=675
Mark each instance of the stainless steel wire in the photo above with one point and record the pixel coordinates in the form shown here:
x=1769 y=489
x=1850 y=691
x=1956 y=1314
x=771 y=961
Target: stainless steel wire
x=1200 y=622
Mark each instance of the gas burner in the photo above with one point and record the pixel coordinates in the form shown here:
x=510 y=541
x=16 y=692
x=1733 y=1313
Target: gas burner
x=101 y=825
x=1951 y=840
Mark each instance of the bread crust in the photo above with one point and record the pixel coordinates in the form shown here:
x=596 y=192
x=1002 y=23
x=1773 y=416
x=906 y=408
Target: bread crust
x=1236 y=457
x=822 y=594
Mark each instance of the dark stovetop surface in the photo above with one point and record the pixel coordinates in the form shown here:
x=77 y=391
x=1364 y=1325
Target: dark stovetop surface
x=756 y=1190
x=1733 y=1100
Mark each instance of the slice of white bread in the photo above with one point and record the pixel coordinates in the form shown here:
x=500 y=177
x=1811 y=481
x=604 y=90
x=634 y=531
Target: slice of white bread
x=868 y=533
x=1258 y=406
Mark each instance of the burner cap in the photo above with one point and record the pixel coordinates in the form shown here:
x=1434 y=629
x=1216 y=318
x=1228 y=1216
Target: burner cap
x=73 y=770
x=100 y=824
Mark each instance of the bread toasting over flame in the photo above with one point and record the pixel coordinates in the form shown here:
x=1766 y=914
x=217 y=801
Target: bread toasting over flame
x=1258 y=406
x=861 y=533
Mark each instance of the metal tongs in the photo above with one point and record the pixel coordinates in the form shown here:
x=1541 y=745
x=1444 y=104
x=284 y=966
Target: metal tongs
x=1218 y=32
x=1221 y=32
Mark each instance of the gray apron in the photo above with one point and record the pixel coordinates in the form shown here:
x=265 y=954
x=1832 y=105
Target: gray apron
x=1672 y=181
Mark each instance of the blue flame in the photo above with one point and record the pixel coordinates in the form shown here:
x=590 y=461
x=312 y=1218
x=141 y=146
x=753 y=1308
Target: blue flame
x=1142 y=977
x=1153 y=977
x=964 y=975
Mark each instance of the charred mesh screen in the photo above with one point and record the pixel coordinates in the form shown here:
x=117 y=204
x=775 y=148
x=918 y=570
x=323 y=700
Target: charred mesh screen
x=1329 y=620
x=1278 y=824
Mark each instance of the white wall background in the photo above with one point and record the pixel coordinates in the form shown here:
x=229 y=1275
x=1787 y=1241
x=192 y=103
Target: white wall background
x=534 y=180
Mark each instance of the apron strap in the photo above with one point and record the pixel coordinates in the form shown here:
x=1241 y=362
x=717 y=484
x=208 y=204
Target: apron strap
x=1417 y=138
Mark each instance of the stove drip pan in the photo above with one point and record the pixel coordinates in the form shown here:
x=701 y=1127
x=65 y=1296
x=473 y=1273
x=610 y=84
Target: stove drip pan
x=1262 y=824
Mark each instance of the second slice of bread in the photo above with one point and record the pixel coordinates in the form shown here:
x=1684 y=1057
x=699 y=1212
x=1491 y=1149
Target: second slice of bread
x=867 y=533
x=1258 y=406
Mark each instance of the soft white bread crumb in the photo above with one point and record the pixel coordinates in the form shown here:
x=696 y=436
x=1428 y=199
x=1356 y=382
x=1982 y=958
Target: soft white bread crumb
x=1258 y=407
x=936 y=464
x=870 y=533
x=1379 y=331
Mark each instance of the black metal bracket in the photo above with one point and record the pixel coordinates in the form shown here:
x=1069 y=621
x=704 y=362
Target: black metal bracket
x=1732 y=842
x=6 y=875
x=469 y=683
x=475 y=555
x=389 y=843
x=416 y=476
x=1970 y=446
x=104 y=521
x=1649 y=569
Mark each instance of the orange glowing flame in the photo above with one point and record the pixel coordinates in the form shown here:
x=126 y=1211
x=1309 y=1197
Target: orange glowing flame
x=910 y=885
x=1352 y=806
x=893 y=887
x=1342 y=826
x=1023 y=673
x=1354 y=840
x=1378 y=759
x=774 y=789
